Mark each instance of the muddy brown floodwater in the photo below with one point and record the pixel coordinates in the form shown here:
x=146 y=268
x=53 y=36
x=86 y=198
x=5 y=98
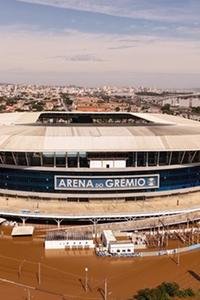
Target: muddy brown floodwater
x=33 y=273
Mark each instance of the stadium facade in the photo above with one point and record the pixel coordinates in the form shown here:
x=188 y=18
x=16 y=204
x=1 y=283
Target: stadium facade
x=83 y=156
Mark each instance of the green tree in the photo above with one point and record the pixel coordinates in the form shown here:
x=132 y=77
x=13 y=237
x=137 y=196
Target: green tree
x=166 y=109
x=37 y=107
x=165 y=291
x=170 y=288
x=117 y=108
x=2 y=107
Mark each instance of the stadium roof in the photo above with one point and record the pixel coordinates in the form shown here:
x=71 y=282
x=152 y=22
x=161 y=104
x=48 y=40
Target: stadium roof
x=21 y=132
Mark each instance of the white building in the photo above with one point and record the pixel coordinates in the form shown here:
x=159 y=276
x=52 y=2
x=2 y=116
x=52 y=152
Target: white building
x=182 y=102
x=64 y=240
x=108 y=237
x=121 y=247
x=116 y=247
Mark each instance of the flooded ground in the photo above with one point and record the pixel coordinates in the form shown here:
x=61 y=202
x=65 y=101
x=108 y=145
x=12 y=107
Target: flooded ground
x=34 y=273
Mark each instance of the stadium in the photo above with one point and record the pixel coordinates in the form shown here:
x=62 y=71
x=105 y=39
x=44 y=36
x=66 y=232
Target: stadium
x=122 y=185
x=86 y=156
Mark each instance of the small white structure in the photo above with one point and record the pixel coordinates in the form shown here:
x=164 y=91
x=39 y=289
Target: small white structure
x=2 y=220
x=108 y=237
x=102 y=163
x=116 y=247
x=22 y=231
x=66 y=240
x=121 y=248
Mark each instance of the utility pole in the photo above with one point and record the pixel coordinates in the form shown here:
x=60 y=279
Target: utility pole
x=28 y=294
x=20 y=268
x=86 y=279
x=106 y=290
x=178 y=259
x=39 y=273
x=95 y=230
x=178 y=255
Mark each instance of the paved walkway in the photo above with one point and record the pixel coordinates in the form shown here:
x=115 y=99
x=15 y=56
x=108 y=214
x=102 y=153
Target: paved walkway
x=179 y=202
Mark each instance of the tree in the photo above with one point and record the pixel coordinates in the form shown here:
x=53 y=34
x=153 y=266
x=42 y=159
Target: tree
x=165 y=291
x=2 y=107
x=152 y=294
x=196 y=110
x=166 y=109
x=170 y=288
x=37 y=106
x=66 y=99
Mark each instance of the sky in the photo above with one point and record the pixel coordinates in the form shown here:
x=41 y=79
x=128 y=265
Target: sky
x=97 y=42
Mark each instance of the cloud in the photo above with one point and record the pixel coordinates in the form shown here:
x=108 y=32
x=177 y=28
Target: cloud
x=26 y=52
x=128 y=43
x=194 y=31
x=122 y=47
x=81 y=58
x=176 y=10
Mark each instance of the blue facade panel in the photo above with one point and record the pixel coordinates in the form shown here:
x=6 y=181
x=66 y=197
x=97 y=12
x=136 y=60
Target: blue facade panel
x=43 y=181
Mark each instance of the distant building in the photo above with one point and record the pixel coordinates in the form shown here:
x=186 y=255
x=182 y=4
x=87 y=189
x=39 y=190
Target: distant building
x=182 y=102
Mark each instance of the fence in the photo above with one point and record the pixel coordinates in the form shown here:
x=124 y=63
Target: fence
x=170 y=251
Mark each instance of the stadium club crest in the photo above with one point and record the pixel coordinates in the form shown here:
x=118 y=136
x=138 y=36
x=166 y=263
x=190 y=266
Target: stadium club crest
x=106 y=183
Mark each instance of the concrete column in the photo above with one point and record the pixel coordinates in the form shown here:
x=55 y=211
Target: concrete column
x=136 y=156
x=58 y=222
x=24 y=221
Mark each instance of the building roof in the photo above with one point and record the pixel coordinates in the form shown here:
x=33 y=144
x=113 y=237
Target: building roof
x=69 y=236
x=20 y=132
x=2 y=220
x=22 y=230
x=109 y=236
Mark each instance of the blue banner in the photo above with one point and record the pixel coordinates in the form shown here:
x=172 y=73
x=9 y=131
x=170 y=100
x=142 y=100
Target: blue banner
x=106 y=183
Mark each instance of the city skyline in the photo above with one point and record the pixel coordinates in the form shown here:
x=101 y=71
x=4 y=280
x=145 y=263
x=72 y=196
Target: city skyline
x=100 y=42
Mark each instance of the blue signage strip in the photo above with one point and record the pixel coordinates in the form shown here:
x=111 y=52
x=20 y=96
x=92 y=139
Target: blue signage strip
x=106 y=183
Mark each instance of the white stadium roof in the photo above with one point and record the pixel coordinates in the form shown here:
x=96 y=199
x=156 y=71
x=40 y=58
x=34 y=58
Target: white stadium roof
x=20 y=132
